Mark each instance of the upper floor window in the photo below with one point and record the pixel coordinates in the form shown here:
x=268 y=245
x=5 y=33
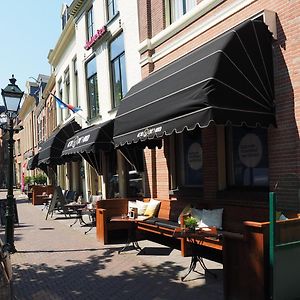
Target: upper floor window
x=92 y=88
x=64 y=17
x=112 y=8
x=118 y=69
x=247 y=157
x=178 y=8
x=75 y=70
x=67 y=85
x=60 y=96
x=90 y=23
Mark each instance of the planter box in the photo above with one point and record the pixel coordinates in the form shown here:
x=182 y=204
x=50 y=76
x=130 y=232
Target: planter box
x=37 y=192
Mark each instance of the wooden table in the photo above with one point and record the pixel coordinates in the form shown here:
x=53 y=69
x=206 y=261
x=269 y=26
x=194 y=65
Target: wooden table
x=131 y=239
x=198 y=235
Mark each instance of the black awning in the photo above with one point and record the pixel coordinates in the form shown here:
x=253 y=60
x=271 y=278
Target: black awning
x=51 y=149
x=33 y=162
x=88 y=142
x=90 y=139
x=227 y=81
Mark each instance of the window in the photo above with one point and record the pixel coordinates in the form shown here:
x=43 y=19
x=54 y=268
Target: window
x=75 y=69
x=67 y=90
x=60 y=96
x=90 y=24
x=118 y=69
x=19 y=147
x=92 y=88
x=247 y=157
x=112 y=8
x=189 y=159
x=64 y=17
x=178 y=8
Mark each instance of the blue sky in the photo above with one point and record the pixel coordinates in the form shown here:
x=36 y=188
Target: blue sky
x=28 y=30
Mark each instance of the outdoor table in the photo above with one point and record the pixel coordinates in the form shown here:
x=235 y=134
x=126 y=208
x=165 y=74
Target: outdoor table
x=91 y=212
x=192 y=237
x=77 y=208
x=131 y=238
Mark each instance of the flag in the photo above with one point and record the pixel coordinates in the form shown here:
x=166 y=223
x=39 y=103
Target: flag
x=64 y=105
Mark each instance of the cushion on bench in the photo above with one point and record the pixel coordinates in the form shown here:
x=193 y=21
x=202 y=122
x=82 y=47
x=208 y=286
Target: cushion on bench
x=161 y=222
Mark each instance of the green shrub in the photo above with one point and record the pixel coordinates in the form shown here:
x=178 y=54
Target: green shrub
x=28 y=179
x=40 y=179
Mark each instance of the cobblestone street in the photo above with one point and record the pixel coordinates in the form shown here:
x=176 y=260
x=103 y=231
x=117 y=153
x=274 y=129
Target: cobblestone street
x=57 y=262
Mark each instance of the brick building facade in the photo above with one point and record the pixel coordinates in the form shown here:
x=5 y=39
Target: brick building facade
x=162 y=42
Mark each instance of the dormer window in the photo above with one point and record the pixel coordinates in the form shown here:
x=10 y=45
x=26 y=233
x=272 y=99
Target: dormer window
x=64 y=17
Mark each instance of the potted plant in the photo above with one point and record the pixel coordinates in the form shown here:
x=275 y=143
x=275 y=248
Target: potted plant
x=190 y=223
x=40 y=179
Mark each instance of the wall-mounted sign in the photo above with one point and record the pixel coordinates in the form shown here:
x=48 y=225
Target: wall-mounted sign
x=194 y=156
x=97 y=36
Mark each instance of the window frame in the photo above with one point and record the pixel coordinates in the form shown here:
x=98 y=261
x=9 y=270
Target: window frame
x=89 y=23
x=123 y=75
x=89 y=78
x=171 y=10
x=177 y=174
x=115 y=9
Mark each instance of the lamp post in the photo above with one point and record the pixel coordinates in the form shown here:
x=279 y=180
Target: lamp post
x=12 y=96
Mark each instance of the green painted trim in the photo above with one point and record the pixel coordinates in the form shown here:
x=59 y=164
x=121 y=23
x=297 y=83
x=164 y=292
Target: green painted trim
x=272 y=218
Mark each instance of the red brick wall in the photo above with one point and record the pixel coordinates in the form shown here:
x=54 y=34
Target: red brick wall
x=284 y=146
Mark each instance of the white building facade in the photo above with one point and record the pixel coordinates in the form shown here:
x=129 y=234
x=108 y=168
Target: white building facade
x=95 y=62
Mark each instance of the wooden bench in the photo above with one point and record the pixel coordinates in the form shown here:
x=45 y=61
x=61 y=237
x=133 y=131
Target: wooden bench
x=246 y=259
x=105 y=209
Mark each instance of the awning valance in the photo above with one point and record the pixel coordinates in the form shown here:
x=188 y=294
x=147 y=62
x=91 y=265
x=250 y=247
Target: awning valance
x=90 y=139
x=226 y=81
x=51 y=149
x=90 y=143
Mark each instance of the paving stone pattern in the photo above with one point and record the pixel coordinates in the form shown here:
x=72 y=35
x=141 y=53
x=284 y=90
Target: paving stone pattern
x=57 y=262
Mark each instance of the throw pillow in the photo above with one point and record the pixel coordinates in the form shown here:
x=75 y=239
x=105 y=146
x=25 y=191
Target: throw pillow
x=212 y=218
x=197 y=214
x=185 y=211
x=141 y=206
x=152 y=208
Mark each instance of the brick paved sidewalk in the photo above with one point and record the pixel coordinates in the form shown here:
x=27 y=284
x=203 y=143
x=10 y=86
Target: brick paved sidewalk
x=55 y=261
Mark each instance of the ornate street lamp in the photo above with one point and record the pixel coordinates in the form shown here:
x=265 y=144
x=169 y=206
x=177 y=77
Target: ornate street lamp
x=12 y=96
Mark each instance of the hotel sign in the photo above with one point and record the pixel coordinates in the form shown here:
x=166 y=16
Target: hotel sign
x=97 y=36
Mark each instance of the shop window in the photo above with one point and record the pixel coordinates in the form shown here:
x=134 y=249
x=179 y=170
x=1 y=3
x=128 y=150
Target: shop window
x=178 y=8
x=112 y=8
x=92 y=88
x=247 y=157
x=187 y=160
x=118 y=69
x=90 y=23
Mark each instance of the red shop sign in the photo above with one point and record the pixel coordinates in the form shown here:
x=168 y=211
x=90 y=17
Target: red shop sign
x=98 y=35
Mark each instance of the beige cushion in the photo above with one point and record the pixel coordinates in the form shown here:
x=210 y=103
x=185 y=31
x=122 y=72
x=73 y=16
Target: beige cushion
x=141 y=207
x=212 y=218
x=152 y=208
